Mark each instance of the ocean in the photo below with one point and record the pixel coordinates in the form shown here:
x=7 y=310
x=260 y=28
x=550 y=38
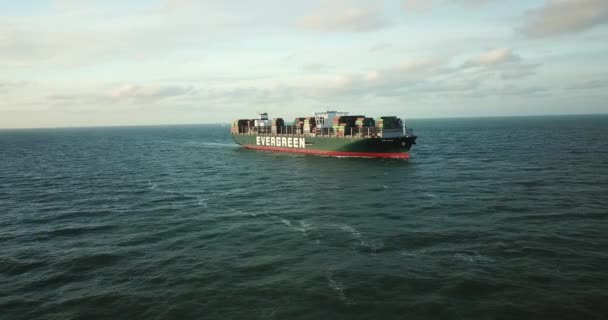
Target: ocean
x=491 y=218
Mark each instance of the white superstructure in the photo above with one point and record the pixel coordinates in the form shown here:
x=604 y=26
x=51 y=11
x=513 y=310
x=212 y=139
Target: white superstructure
x=325 y=119
x=263 y=120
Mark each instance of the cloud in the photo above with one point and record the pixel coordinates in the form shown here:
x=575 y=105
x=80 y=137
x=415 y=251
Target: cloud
x=123 y=97
x=176 y=5
x=417 y=4
x=62 y=36
x=153 y=93
x=418 y=66
x=8 y=86
x=514 y=90
x=315 y=67
x=169 y=97
x=517 y=74
x=592 y=83
x=557 y=17
x=41 y=43
x=501 y=63
x=493 y=57
x=410 y=5
x=336 y=18
x=384 y=81
x=383 y=46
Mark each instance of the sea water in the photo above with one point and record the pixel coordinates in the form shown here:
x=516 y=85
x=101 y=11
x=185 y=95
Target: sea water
x=491 y=218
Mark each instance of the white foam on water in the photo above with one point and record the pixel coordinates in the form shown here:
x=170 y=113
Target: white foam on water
x=269 y=314
x=172 y=192
x=385 y=187
x=356 y=234
x=202 y=202
x=302 y=228
x=231 y=192
x=287 y=223
x=338 y=287
x=305 y=225
x=407 y=253
x=242 y=212
x=373 y=245
x=360 y=241
x=430 y=195
x=464 y=257
x=152 y=186
x=472 y=258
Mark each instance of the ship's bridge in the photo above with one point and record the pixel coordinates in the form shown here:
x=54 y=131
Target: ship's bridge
x=325 y=119
x=262 y=120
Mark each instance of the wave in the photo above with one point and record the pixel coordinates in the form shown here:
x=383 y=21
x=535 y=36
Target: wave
x=243 y=212
x=362 y=243
x=472 y=258
x=152 y=186
x=304 y=227
x=338 y=287
x=77 y=230
x=407 y=253
x=372 y=246
x=202 y=201
x=16 y=266
x=89 y=262
x=212 y=144
x=354 y=232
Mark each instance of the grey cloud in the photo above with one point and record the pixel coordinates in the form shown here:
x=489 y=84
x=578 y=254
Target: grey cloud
x=150 y=93
x=503 y=63
x=380 y=47
x=592 y=83
x=315 y=67
x=175 y=5
x=126 y=95
x=388 y=81
x=493 y=57
x=7 y=86
x=81 y=37
x=432 y=78
x=557 y=17
x=517 y=74
x=521 y=91
x=331 y=19
x=427 y=4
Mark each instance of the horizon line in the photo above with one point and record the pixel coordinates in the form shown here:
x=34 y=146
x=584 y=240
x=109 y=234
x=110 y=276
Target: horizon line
x=227 y=122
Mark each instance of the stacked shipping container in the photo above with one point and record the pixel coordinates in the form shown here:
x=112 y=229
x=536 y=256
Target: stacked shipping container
x=343 y=125
x=388 y=123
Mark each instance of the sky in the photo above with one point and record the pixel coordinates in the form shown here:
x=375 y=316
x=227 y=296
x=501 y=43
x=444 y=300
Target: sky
x=66 y=63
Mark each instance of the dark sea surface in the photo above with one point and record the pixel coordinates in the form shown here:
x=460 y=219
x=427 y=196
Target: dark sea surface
x=496 y=218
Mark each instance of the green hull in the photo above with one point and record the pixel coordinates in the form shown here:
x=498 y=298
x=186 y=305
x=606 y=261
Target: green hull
x=330 y=146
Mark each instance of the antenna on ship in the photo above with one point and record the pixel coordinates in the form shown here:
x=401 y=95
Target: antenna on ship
x=403 y=124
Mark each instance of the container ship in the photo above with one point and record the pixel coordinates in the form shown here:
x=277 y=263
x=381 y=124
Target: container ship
x=330 y=133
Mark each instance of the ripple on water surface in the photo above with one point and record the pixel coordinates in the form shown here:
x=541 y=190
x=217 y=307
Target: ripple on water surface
x=490 y=219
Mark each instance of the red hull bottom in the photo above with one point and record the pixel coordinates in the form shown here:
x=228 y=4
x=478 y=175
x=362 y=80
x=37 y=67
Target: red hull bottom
x=403 y=155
